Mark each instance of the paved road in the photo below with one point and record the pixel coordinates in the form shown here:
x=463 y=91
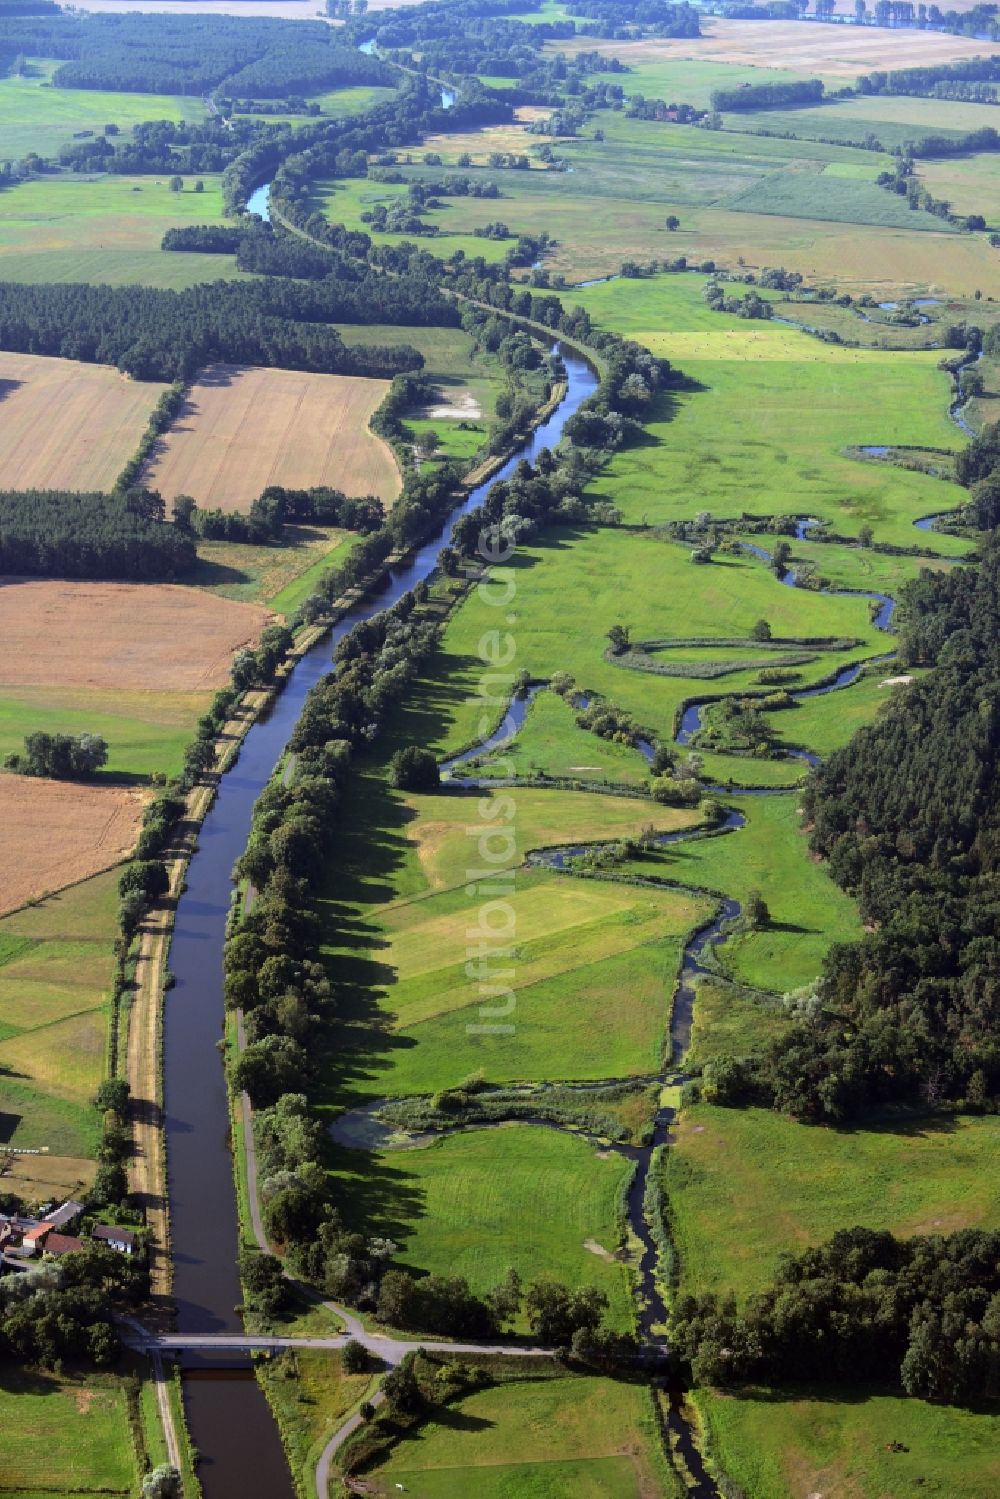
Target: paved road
x=389 y=1350
x=336 y=1442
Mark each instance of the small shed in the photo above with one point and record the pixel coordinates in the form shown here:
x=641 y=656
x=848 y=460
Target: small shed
x=122 y=1239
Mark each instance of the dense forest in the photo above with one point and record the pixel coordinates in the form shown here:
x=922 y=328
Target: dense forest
x=257 y=248
x=864 y=1309
x=923 y=81
x=52 y=533
x=166 y=335
x=908 y=816
x=194 y=54
x=769 y=95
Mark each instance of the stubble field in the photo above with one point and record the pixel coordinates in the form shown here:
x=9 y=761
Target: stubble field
x=837 y=51
x=120 y=635
x=58 y=832
x=65 y=425
x=242 y=429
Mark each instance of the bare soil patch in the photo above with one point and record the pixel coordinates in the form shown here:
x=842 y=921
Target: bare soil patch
x=56 y=833
x=65 y=425
x=242 y=429
x=157 y=636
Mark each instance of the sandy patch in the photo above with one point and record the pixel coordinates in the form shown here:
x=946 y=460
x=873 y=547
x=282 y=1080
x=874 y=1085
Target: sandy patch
x=598 y=1249
x=462 y=406
x=56 y=833
x=242 y=429
x=159 y=637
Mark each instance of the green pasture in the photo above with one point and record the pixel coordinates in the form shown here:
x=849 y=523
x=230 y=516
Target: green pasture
x=476 y=1202
x=281 y=574
x=103 y=228
x=589 y=966
x=35 y=116
x=809 y=400
x=845 y=200
x=551 y=744
x=808 y=911
x=684 y=80
x=969 y=183
x=335 y=104
x=571 y=586
x=613 y=204
x=64 y=1434
x=746 y=1185
x=893 y=120
x=146 y=732
x=779 y=1445
x=56 y=969
x=457 y=370
x=576 y=1437
x=823 y=724
x=875 y=333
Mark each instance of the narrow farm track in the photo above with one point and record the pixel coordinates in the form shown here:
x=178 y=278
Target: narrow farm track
x=166 y=1412
x=143 y=1060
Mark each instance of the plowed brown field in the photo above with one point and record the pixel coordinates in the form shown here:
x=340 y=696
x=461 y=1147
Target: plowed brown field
x=65 y=425
x=56 y=833
x=159 y=637
x=242 y=429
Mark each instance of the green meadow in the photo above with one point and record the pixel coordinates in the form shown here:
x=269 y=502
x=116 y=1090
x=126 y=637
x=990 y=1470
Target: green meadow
x=334 y=104
x=536 y=1439
x=56 y=968
x=65 y=1435
x=476 y=1202
x=735 y=194
x=779 y=1445
x=104 y=228
x=551 y=744
x=770 y=854
x=35 y=116
x=403 y=914
x=893 y=120
x=700 y=453
x=746 y=1185
x=146 y=732
x=571 y=586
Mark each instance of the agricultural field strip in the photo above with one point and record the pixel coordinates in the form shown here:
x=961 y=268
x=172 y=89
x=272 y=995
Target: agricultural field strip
x=243 y=429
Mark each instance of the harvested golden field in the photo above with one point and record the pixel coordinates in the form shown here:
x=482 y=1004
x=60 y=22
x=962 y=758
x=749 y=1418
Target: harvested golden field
x=285 y=10
x=56 y=833
x=833 y=51
x=158 y=637
x=242 y=429
x=479 y=144
x=65 y=425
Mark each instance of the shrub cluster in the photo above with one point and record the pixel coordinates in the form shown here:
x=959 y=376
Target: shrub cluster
x=921 y=1313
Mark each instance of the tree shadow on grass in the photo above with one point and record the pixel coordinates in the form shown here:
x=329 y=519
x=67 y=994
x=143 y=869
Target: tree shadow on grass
x=375 y=1195
x=16 y=1379
x=209 y=574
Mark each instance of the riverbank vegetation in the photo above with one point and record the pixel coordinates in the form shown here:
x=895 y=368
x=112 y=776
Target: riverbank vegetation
x=349 y=955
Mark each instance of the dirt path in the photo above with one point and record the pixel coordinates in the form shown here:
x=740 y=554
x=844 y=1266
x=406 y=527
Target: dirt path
x=143 y=1066
x=147 y=1168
